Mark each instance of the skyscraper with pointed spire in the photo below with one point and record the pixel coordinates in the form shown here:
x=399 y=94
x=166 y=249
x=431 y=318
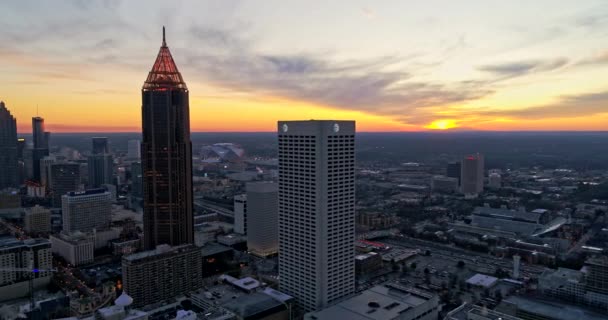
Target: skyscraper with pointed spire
x=8 y=149
x=41 y=146
x=166 y=153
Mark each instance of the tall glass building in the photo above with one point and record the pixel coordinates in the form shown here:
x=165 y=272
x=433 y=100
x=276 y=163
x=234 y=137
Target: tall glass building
x=166 y=155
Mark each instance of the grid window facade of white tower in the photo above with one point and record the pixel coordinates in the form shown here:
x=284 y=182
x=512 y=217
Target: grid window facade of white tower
x=316 y=211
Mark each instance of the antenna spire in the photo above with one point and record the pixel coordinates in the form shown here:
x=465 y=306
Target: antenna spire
x=164 y=42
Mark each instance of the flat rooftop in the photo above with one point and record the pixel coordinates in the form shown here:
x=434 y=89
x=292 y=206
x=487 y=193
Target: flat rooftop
x=554 y=310
x=482 y=280
x=160 y=250
x=379 y=302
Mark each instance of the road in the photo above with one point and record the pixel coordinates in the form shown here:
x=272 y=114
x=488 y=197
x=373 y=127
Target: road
x=215 y=208
x=472 y=258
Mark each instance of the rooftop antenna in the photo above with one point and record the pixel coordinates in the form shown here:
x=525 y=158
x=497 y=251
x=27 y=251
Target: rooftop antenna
x=37 y=114
x=164 y=42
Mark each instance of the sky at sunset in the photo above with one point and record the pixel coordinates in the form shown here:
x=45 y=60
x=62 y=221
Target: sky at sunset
x=390 y=65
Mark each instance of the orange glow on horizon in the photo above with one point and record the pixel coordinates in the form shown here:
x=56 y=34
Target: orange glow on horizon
x=443 y=124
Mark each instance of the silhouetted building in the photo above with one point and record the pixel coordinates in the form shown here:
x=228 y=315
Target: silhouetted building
x=100 y=145
x=472 y=174
x=163 y=273
x=41 y=146
x=65 y=177
x=86 y=210
x=101 y=169
x=8 y=149
x=453 y=170
x=262 y=218
x=45 y=166
x=21 y=145
x=136 y=180
x=166 y=155
x=240 y=214
x=134 y=149
x=317 y=211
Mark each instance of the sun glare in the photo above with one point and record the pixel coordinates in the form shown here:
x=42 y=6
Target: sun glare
x=442 y=124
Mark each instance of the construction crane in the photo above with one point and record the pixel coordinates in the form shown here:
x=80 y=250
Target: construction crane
x=32 y=272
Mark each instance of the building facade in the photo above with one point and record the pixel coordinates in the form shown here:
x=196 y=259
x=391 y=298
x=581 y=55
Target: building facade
x=240 y=214
x=134 y=149
x=9 y=175
x=262 y=218
x=100 y=145
x=23 y=254
x=41 y=146
x=100 y=169
x=316 y=211
x=86 y=210
x=453 y=170
x=37 y=220
x=77 y=248
x=472 y=174
x=166 y=155
x=163 y=273
x=65 y=177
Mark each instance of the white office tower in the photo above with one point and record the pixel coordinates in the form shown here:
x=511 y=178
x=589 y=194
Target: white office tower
x=316 y=211
x=472 y=174
x=134 y=149
x=240 y=214
x=262 y=218
x=86 y=210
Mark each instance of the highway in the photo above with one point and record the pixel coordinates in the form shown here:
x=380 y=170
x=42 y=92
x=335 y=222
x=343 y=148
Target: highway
x=215 y=208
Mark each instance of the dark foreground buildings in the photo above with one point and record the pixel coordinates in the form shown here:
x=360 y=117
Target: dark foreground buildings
x=8 y=149
x=166 y=155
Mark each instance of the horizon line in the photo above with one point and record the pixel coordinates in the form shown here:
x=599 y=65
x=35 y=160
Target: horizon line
x=417 y=131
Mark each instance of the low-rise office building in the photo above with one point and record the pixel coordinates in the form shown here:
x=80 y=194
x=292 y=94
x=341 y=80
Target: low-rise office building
x=76 y=248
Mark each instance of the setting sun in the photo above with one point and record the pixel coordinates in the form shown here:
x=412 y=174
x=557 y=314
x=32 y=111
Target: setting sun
x=442 y=124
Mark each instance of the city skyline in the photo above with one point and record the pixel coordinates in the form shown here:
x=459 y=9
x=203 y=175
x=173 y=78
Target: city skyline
x=390 y=67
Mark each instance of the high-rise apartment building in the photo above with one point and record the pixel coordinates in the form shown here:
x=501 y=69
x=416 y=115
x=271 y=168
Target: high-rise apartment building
x=37 y=220
x=240 y=213
x=9 y=174
x=166 y=155
x=163 y=273
x=65 y=177
x=100 y=145
x=134 y=149
x=41 y=146
x=86 y=210
x=316 y=211
x=472 y=174
x=262 y=218
x=27 y=254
